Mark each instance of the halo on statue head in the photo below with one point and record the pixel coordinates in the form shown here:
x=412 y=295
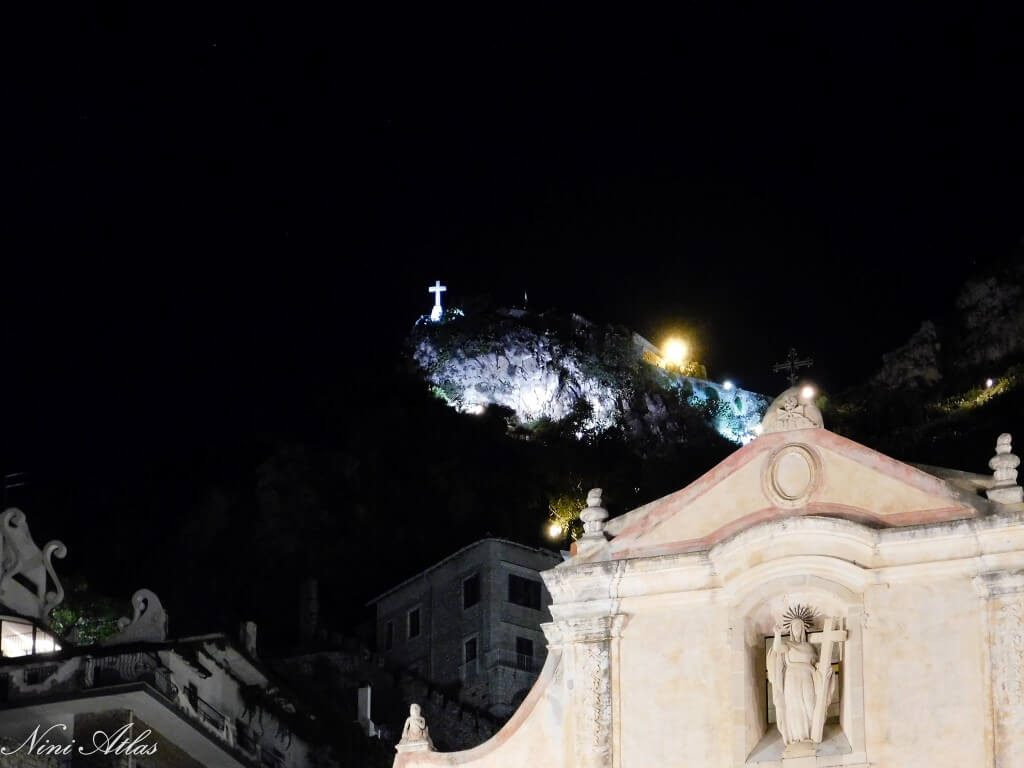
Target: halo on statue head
x=804 y=613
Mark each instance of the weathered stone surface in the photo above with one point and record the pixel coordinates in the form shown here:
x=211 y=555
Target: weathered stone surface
x=658 y=644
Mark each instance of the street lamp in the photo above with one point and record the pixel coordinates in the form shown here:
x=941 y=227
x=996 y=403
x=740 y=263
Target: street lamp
x=674 y=351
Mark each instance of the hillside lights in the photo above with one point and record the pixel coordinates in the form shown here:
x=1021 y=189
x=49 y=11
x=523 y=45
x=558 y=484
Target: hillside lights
x=674 y=351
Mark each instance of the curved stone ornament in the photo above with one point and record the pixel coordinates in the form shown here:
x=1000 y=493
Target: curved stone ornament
x=147 y=625
x=51 y=550
x=792 y=474
x=791 y=410
x=20 y=557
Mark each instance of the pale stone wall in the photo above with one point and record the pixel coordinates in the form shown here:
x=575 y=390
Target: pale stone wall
x=925 y=654
x=658 y=650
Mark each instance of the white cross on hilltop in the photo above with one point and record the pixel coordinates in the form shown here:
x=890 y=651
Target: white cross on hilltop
x=437 y=289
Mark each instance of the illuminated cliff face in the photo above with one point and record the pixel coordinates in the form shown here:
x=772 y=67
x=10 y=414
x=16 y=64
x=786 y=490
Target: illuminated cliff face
x=553 y=376
x=531 y=375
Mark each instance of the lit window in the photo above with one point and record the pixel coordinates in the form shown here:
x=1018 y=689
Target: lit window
x=45 y=642
x=15 y=639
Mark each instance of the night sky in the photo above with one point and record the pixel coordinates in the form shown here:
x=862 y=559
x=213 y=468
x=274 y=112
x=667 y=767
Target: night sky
x=221 y=225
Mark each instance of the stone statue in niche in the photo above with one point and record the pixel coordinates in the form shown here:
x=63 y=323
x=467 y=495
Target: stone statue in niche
x=801 y=676
x=415 y=735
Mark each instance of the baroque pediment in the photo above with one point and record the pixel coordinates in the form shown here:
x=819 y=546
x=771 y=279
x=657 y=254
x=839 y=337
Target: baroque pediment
x=795 y=473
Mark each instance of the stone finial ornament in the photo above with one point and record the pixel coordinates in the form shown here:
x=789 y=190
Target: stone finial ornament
x=1004 y=465
x=593 y=516
x=147 y=625
x=28 y=595
x=793 y=409
x=415 y=734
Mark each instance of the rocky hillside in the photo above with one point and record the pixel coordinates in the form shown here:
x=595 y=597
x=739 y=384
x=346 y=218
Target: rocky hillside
x=549 y=369
x=944 y=395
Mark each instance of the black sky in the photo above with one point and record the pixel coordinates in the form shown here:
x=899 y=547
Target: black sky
x=218 y=219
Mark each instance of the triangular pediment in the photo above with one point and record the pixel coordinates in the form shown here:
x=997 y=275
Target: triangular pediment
x=786 y=474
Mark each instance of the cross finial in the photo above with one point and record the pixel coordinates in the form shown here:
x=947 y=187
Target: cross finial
x=792 y=364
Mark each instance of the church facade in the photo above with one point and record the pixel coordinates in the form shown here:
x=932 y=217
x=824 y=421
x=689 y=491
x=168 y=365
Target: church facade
x=807 y=602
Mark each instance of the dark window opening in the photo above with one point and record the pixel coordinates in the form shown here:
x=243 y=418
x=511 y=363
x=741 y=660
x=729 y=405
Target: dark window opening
x=414 y=623
x=524 y=647
x=389 y=636
x=471 y=591
x=38 y=675
x=469 y=650
x=524 y=592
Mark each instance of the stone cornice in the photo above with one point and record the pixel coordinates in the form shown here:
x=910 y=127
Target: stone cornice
x=999 y=583
x=591 y=629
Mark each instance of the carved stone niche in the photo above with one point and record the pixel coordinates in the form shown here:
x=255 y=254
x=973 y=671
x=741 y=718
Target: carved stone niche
x=757 y=741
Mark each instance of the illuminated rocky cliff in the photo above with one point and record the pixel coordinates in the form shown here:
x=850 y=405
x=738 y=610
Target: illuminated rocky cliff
x=564 y=370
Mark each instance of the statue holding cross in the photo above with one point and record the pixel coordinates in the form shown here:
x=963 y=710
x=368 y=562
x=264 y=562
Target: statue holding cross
x=802 y=680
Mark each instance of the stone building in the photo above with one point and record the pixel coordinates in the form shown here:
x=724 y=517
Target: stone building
x=472 y=623
x=807 y=602
x=138 y=699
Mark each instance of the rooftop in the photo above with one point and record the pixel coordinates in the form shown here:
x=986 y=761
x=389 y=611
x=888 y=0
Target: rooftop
x=554 y=556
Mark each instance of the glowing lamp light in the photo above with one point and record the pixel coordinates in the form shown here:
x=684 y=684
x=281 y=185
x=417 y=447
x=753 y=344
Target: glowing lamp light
x=727 y=385
x=554 y=530
x=989 y=383
x=675 y=351
x=807 y=392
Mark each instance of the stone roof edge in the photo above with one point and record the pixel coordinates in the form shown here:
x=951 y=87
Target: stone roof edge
x=858 y=452
x=538 y=550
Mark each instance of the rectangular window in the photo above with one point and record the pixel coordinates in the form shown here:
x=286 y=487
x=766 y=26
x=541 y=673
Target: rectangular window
x=525 y=592
x=471 y=591
x=39 y=674
x=389 y=636
x=469 y=650
x=524 y=647
x=15 y=639
x=45 y=642
x=413 y=623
